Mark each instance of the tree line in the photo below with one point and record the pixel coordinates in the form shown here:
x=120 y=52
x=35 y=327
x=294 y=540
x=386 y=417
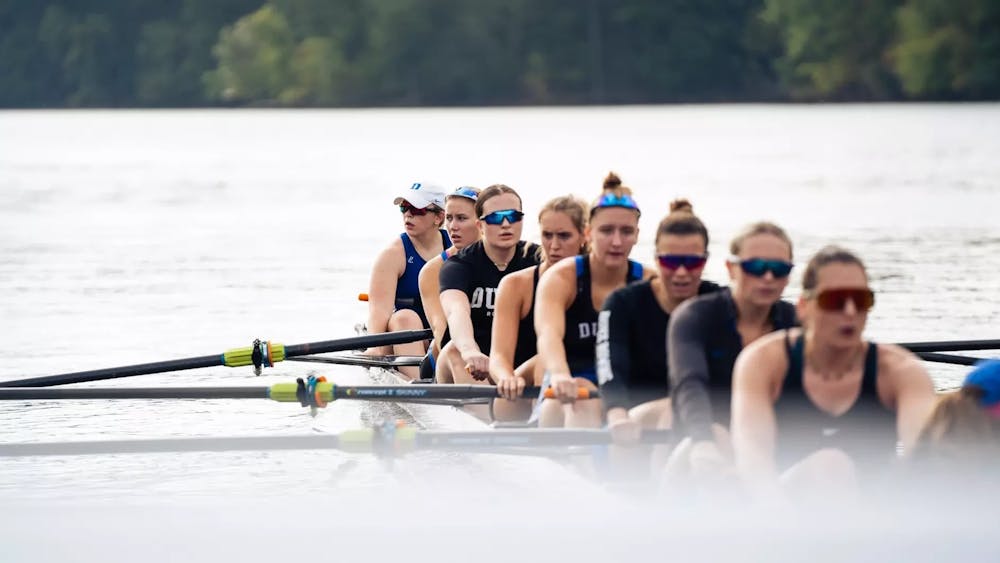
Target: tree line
x=188 y=53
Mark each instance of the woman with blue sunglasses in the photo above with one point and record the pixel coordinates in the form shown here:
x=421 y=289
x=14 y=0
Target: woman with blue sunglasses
x=632 y=327
x=707 y=333
x=393 y=292
x=469 y=282
x=819 y=409
x=569 y=296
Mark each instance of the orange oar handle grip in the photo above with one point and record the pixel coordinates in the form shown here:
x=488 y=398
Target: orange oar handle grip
x=581 y=393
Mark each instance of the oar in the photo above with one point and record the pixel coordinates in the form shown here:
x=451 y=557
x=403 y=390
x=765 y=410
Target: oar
x=952 y=345
x=361 y=360
x=259 y=354
x=383 y=440
x=313 y=393
x=949 y=358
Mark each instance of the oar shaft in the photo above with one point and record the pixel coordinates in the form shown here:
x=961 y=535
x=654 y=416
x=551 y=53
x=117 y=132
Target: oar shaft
x=367 y=440
x=233 y=358
x=358 y=342
x=239 y=443
x=948 y=359
x=952 y=345
x=114 y=373
x=135 y=393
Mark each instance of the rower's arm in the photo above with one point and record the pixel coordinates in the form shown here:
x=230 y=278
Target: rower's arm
x=753 y=427
x=556 y=290
x=614 y=362
x=430 y=296
x=456 y=308
x=914 y=392
x=688 y=371
x=382 y=288
x=506 y=320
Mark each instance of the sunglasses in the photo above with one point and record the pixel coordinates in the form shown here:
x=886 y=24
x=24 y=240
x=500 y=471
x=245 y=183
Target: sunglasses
x=757 y=267
x=615 y=200
x=416 y=211
x=836 y=299
x=497 y=217
x=675 y=261
x=466 y=192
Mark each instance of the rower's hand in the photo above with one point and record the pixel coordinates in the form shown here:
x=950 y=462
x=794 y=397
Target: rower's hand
x=563 y=387
x=624 y=431
x=511 y=387
x=477 y=364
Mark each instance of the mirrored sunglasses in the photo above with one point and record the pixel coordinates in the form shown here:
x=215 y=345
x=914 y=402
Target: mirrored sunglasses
x=757 y=267
x=675 y=261
x=417 y=211
x=615 y=200
x=836 y=299
x=465 y=191
x=497 y=217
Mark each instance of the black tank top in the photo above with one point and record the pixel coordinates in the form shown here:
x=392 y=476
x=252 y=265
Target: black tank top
x=472 y=272
x=527 y=341
x=866 y=432
x=581 y=320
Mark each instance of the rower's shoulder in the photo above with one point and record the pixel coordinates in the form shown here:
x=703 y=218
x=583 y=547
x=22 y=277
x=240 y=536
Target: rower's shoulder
x=770 y=345
x=518 y=280
x=893 y=358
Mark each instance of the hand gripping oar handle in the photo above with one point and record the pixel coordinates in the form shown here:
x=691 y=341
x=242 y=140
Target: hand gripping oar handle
x=268 y=353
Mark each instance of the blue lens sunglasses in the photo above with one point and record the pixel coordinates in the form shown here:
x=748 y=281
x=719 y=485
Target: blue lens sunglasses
x=497 y=217
x=757 y=267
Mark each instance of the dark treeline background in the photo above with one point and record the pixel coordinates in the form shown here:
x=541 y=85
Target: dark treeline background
x=182 y=53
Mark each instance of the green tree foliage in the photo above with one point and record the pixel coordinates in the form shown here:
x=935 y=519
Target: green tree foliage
x=949 y=48
x=254 y=57
x=834 y=49
x=185 y=53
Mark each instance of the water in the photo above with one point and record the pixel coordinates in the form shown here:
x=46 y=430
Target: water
x=135 y=236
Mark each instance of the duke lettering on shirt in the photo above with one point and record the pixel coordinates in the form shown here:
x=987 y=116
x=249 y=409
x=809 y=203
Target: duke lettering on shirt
x=587 y=330
x=479 y=295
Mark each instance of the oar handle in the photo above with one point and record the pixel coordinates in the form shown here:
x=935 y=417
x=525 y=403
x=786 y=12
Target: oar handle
x=325 y=392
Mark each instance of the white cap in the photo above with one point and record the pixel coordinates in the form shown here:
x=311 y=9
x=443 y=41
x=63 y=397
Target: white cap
x=422 y=195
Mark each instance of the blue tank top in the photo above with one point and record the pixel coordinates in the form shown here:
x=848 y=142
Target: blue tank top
x=408 y=286
x=580 y=337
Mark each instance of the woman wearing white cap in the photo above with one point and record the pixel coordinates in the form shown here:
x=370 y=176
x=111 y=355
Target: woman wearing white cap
x=393 y=293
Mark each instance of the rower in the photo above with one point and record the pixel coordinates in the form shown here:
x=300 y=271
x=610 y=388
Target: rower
x=959 y=443
x=707 y=333
x=513 y=358
x=632 y=327
x=469 y=282
x=817 y=408
x=569 y=296
x=393 y=295
x=460 y=222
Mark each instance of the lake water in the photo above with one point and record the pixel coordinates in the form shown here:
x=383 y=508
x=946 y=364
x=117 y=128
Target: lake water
x=136 y=236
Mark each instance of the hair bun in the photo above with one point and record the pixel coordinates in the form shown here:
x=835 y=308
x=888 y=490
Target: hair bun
x=612 y=182
x=681 y=205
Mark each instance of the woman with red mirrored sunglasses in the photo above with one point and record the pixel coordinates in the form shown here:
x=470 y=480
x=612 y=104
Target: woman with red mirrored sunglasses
x=632 y=327
x=705 y=336
x=818 y=408
x=568 y=298
x=393 y=292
